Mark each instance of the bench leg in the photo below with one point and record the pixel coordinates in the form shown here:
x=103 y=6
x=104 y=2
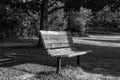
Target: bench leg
x=58 y=64
x=78 y=60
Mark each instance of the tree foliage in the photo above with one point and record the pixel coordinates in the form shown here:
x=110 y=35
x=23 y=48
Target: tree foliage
x=77 y=21
x=95 y=5
x=106 y=20
x=24 y=16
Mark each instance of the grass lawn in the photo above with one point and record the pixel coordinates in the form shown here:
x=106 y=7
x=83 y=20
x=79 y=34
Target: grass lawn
x=21 y=60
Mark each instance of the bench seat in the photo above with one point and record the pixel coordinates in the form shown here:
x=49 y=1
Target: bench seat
x=66 y=53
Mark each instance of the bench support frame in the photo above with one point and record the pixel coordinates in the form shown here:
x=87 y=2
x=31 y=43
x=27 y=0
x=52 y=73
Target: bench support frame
x=59 y=61
x=58 y=64
x=78 y=60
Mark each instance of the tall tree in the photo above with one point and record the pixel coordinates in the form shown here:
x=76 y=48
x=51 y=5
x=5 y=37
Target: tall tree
x=42 y=19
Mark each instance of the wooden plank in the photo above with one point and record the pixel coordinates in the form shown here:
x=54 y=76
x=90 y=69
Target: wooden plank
x=56 y=37
x=62 y=49
x=69 y=53
x=47 y=35
x=57 y=41
x=56 y=45
x=76 y=54
x=53 y=32
x=59 y=51
x=66 y=49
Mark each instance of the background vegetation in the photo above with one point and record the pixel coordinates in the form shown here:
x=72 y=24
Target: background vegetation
x=22 y=18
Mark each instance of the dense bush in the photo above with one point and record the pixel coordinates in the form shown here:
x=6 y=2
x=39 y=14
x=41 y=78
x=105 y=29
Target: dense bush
x=31 y=24
x=16 y=23
x=77 y=21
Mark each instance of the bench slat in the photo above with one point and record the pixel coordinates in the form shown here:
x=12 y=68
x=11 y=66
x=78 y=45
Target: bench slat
x=61 y=50
x=66 y=52
x=55 y=36
x=76 y=54
x=54 y=32
x=57 y=41
x=56 y=45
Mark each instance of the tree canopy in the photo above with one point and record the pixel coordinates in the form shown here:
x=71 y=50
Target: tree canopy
x=95 y=5
x=31 y=12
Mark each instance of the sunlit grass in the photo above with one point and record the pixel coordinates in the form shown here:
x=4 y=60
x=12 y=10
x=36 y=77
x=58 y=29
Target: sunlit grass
x=40 y=72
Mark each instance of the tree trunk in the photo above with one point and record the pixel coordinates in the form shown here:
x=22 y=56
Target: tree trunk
x=43 y=18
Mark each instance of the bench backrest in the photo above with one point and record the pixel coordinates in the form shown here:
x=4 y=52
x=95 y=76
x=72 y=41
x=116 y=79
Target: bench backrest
x=56 y=39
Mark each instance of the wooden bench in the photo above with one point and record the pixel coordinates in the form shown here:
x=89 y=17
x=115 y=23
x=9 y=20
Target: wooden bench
x=60 y=44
